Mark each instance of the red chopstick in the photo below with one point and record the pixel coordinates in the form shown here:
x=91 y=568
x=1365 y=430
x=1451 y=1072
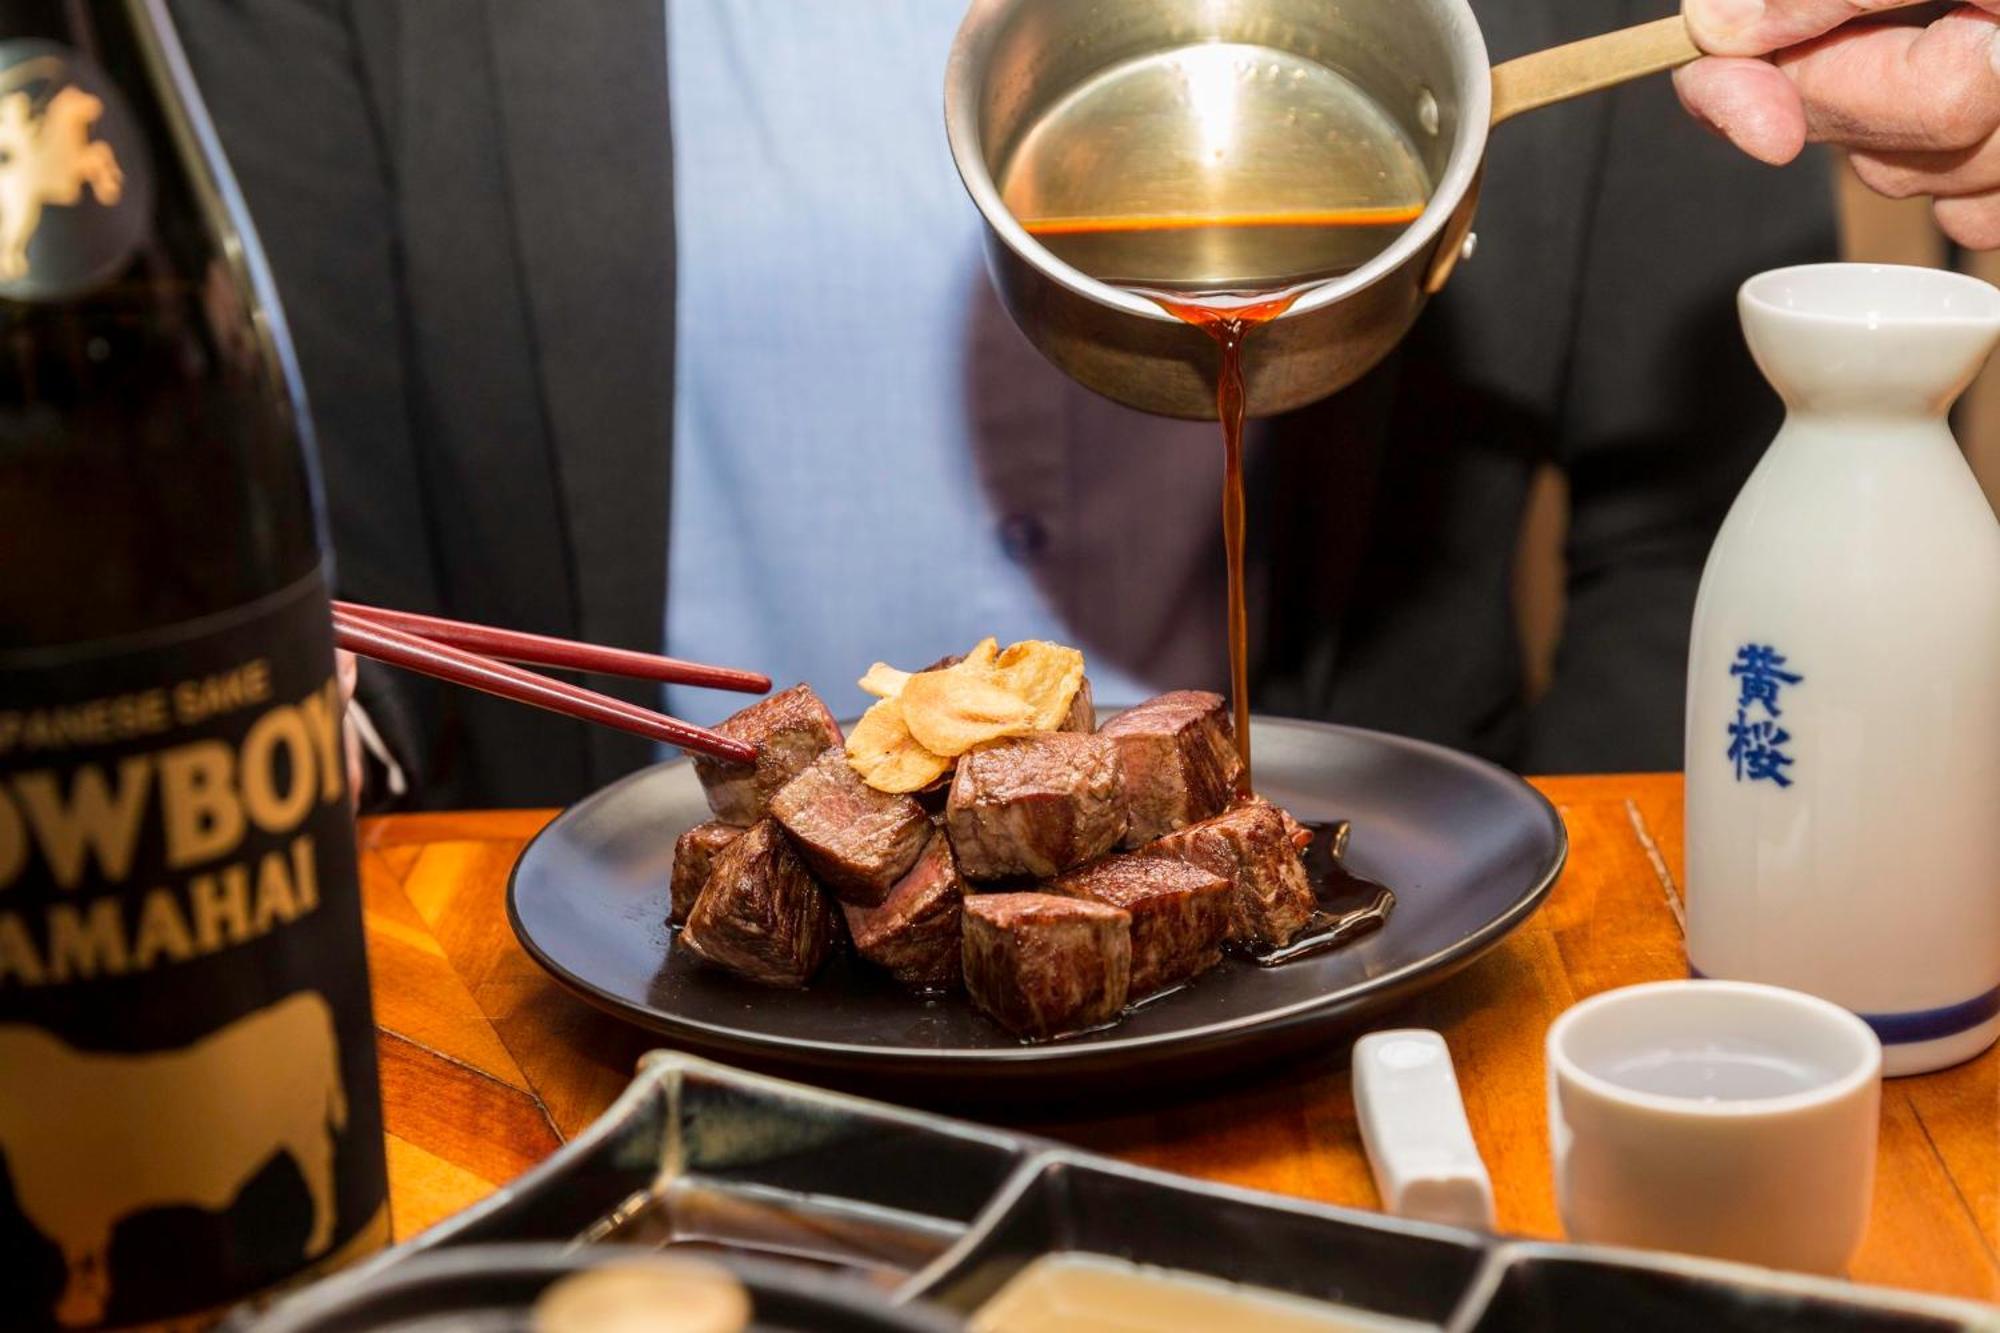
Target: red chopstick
x=543 y=650
x=412 y=652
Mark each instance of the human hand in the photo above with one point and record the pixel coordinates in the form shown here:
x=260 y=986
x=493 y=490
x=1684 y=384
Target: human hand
x=347 y=670
x=1917 y=105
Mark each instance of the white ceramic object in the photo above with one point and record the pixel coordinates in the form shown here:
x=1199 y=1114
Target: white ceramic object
x=1843 y=720
x=1720 y=1118
x=1413 y=1126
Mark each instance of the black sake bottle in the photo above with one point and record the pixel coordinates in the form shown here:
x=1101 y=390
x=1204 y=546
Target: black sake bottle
x=189 y=1112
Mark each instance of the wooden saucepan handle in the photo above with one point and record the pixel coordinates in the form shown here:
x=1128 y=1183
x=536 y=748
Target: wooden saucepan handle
x=1555 y=75
x=1563 y=72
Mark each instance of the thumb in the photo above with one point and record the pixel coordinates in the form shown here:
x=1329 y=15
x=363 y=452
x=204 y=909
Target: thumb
x=1748 y=102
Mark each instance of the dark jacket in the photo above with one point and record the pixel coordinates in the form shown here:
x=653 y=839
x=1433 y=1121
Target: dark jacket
x=468 y=206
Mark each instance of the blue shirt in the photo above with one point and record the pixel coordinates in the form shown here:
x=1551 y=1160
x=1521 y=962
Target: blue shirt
x=870 y=461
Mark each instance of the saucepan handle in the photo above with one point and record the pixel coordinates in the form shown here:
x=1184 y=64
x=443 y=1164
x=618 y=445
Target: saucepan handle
x=1555 y=75
x=1563 y=72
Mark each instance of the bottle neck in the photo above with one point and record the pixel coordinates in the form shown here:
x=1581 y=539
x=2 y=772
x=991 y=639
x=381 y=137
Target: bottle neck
x=1883 y=425
x=153 y=450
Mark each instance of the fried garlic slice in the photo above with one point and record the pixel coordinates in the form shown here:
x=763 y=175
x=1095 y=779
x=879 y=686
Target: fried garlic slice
x=1045 y=675
x=884 y=681
x=951 y=711
x=881 y=749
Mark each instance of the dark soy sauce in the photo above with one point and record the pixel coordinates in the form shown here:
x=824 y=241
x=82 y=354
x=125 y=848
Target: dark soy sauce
x=1221 y=179
x=1350 y=905
x=1229 y=320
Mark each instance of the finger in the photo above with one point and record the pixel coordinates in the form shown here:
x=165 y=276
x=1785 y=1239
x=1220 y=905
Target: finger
x=347 y=669
x=1759 y=27
x=1902 y=89
x=1972 y=220
x=1748 y=102
x=1906 y=175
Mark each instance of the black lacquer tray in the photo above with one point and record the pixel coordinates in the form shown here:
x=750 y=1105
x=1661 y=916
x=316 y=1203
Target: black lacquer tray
x=493 y=1289
x=935 y=1214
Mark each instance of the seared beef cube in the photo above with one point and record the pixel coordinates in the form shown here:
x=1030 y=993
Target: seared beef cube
x=1042 y=965
x=1034 y=805
x=1179 y=756
x=858 y=840
x=1082 y=715
x=694 y=856
x=1180 y=913
x=790 y=730
x=933 y=795
x=1301 y=836
x=761 y=915
x=1249 y=847
x=915 y=932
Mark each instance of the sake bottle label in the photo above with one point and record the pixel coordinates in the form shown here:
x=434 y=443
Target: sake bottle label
x=189 y=1112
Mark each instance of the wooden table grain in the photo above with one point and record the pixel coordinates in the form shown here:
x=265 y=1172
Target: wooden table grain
x=488 y=1066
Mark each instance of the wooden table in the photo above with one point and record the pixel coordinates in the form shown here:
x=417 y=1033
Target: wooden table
x=488 y=1066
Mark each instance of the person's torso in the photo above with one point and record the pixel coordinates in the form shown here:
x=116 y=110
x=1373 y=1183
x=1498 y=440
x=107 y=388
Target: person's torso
x=870 y=461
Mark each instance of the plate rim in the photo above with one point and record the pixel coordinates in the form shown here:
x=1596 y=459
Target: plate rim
x=1043 y=1055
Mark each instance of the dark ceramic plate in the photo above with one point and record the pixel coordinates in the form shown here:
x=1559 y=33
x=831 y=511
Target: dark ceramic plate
x=1469 y=849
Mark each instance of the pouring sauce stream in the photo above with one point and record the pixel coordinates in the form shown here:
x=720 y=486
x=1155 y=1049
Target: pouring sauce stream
x=1229 y=320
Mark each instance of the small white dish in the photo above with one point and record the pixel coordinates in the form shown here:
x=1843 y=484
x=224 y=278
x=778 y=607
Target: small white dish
x=1721 y=1118
x=1413 y=1126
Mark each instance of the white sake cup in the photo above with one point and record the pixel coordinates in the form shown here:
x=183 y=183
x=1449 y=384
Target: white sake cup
x=1720 y=1118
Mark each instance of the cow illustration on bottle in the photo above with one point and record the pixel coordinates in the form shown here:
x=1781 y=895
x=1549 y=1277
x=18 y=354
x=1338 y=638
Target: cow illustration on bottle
x=187 y=1127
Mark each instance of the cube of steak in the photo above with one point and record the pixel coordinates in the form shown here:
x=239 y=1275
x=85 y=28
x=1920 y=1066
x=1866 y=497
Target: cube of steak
x=1042 y=965
x=1249 y=846
x=932 y=796
x=790 y=730
x=1082 y=715
x=1301 y=836
x=761 y=915
x=1034 y=805
x=694 y=855
x=1180 y=913
x=1179 y=755
x=914 y=934
x=858 y=840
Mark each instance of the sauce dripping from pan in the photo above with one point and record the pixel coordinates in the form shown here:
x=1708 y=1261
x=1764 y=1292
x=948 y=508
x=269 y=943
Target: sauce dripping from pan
x=1222 y=180
x=1229 y=320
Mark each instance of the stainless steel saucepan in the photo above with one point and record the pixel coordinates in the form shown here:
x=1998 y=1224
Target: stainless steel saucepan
x=1422 y=61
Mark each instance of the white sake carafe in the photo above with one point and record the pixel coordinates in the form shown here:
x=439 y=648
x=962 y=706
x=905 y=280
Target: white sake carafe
x=1843 y=720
